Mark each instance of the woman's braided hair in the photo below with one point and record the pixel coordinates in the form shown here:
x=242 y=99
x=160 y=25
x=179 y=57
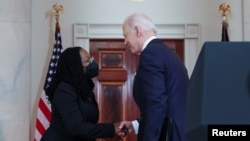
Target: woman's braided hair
x=70 y=70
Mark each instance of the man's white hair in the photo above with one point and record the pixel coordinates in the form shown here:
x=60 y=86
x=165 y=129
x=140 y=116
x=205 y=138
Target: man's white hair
x=139 y=19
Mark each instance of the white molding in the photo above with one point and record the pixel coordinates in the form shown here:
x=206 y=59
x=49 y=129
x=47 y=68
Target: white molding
x=190 y=32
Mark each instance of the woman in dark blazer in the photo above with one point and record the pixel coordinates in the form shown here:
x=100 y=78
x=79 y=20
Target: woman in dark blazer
x=160 y=84
x=74 y=108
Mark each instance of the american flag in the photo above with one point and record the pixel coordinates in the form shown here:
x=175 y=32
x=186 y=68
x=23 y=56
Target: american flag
x=224 y=34
x=44 y=109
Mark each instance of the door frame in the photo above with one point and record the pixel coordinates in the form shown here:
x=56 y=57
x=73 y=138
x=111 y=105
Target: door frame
x=190 y=32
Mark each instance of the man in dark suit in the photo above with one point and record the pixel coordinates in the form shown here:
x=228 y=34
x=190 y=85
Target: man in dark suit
x=160 y=84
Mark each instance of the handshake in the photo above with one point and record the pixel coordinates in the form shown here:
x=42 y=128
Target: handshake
x=123 y=128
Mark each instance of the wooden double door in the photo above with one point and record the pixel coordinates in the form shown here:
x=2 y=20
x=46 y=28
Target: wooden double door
x=113 y=86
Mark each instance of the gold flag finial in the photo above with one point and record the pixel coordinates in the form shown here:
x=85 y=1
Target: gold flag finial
x=224 y=10
x=56 y=9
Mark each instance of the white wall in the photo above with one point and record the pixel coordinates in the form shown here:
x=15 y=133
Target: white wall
x=246 y=20
x=24 y=57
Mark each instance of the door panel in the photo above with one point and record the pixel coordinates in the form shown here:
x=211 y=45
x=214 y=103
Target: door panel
x=113 y=86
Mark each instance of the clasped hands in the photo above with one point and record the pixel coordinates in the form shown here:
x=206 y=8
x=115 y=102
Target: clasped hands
x=123 y=128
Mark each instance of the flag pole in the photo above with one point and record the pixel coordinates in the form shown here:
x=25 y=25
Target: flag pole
x=44 y=109
x=224 y=9
x=57 y=9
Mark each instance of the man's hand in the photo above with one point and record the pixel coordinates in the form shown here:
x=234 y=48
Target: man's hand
x=120 y=132
x=126 y=127
x=123 y=128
